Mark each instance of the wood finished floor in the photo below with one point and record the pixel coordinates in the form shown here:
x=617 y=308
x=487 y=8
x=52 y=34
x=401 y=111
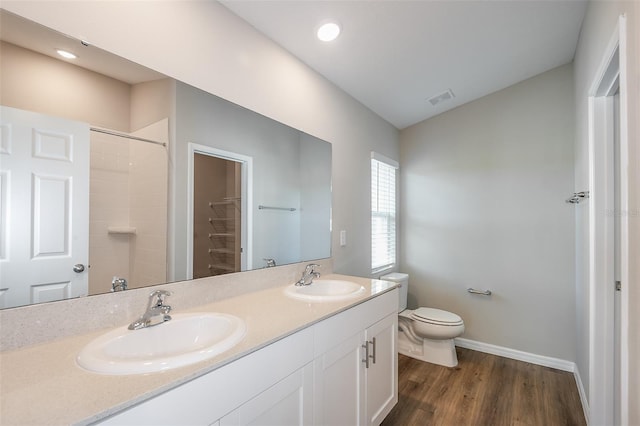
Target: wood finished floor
x=484 y=390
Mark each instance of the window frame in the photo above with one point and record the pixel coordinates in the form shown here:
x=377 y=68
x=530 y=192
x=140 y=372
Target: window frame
x=391 y=214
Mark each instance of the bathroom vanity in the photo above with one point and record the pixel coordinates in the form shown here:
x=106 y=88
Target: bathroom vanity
x=318 y=375
x=329 y=362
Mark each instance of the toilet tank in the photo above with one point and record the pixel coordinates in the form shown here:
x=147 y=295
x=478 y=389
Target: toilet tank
x=403 y=290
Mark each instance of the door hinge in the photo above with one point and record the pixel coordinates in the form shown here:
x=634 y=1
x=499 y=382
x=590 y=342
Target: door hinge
x=618 y=286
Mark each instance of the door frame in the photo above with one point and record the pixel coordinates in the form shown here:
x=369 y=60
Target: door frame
x=610 y=77
x=246 y=213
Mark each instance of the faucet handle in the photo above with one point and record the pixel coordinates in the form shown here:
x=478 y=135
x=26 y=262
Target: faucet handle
x=156 y=298
x=310 y=268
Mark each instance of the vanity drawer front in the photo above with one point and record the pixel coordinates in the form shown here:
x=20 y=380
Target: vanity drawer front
x=338 y=328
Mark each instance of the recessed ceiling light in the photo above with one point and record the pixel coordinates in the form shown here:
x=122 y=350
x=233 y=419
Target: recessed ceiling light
x=328 y=31
x=65 y=54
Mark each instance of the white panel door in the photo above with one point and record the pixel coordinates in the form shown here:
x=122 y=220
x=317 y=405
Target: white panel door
x=44 y=207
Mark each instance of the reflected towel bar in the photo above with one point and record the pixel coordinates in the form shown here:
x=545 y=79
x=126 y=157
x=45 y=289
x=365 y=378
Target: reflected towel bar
x=124 y=135
x=484 y=293
x=290 y=209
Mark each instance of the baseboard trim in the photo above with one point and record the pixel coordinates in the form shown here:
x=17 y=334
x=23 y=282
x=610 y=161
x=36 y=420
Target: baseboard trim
x=583 y=394
x=545 y=361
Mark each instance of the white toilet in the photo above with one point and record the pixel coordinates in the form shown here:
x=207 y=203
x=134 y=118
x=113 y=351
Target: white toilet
x=425 y=333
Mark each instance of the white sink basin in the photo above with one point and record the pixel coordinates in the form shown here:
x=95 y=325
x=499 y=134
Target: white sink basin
x=184 y=340
x=325 y=291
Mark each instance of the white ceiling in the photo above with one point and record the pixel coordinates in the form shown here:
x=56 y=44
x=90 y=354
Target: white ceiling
x=393 y=55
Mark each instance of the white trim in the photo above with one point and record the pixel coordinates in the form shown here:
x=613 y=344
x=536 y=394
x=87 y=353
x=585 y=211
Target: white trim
x=624 y=224
x=601 y=246
x=583 y=394
x=246 y=202
x=601 y=290
x=545 y=361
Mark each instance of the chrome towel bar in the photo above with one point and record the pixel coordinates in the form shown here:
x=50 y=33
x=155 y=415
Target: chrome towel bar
x=484 y=293
x=124 y=135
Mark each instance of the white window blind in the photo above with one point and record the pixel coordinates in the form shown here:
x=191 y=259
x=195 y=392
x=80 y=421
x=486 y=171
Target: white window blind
x=383 y=212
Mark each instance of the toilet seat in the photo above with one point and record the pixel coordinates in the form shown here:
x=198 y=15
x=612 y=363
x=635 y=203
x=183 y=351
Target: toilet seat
x=436 y=317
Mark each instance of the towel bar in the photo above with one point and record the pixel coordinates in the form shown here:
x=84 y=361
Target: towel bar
x=484 y=293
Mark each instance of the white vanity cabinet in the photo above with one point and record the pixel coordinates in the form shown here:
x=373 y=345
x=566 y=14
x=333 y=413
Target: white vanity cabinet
x=313 y=376
x=288 y=402
x=356 y=380
x=209 y=398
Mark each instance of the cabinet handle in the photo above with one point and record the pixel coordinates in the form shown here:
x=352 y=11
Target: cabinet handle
x=373 y=357
x=366 y=354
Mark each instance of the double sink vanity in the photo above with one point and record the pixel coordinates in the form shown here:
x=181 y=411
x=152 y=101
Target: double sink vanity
x=323 y=353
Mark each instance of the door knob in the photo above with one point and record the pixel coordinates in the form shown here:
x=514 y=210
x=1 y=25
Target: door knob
x=78 y=267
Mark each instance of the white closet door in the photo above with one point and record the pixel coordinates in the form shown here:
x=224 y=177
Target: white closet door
x=44 y=207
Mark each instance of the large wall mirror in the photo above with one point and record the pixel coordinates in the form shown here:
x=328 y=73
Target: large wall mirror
x=114 y=176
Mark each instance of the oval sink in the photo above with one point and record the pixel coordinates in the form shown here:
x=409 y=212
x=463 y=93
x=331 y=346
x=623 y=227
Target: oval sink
x=184 y=340
x=325 y=291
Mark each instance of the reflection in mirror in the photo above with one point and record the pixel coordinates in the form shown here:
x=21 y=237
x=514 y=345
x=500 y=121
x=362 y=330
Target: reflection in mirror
x=128 y=209
x=218 y=211
x=135 y=182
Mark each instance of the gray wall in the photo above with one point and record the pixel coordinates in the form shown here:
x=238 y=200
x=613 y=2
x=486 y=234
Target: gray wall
x=482 y=205
x=315 y=199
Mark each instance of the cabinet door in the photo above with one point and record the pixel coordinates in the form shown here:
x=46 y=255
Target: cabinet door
x=339 y=384
x=382 y=374
x=288 y=402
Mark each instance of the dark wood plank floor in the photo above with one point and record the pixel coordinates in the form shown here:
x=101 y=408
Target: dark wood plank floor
x=484 y=390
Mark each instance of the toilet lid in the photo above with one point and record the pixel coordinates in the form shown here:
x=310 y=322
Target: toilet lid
x=436 y=316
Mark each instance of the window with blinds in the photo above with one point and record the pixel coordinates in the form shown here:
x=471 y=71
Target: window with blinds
x=383 y=212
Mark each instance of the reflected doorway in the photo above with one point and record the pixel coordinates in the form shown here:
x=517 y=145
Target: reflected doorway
x=219 y=214
x=216 y=216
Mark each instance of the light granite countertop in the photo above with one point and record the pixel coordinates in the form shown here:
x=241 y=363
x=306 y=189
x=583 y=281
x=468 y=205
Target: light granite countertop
x=42 y=384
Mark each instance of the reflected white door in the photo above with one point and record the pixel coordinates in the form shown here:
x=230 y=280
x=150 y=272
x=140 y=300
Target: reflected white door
x=44 y=208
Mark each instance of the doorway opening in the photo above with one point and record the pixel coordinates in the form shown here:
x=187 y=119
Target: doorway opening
x=219 y=218
x=216 y=216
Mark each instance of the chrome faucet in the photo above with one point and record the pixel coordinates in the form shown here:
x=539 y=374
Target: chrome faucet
x=157 y=312
x=308 y=275
x=118 y=284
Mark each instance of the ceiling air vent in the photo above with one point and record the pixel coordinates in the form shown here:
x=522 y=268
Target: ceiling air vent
x=441 y=97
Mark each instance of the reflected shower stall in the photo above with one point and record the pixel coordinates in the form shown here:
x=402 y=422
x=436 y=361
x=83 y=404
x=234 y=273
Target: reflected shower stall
x=128 y=209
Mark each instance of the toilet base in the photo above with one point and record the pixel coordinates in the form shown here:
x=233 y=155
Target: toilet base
x=440 y=352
